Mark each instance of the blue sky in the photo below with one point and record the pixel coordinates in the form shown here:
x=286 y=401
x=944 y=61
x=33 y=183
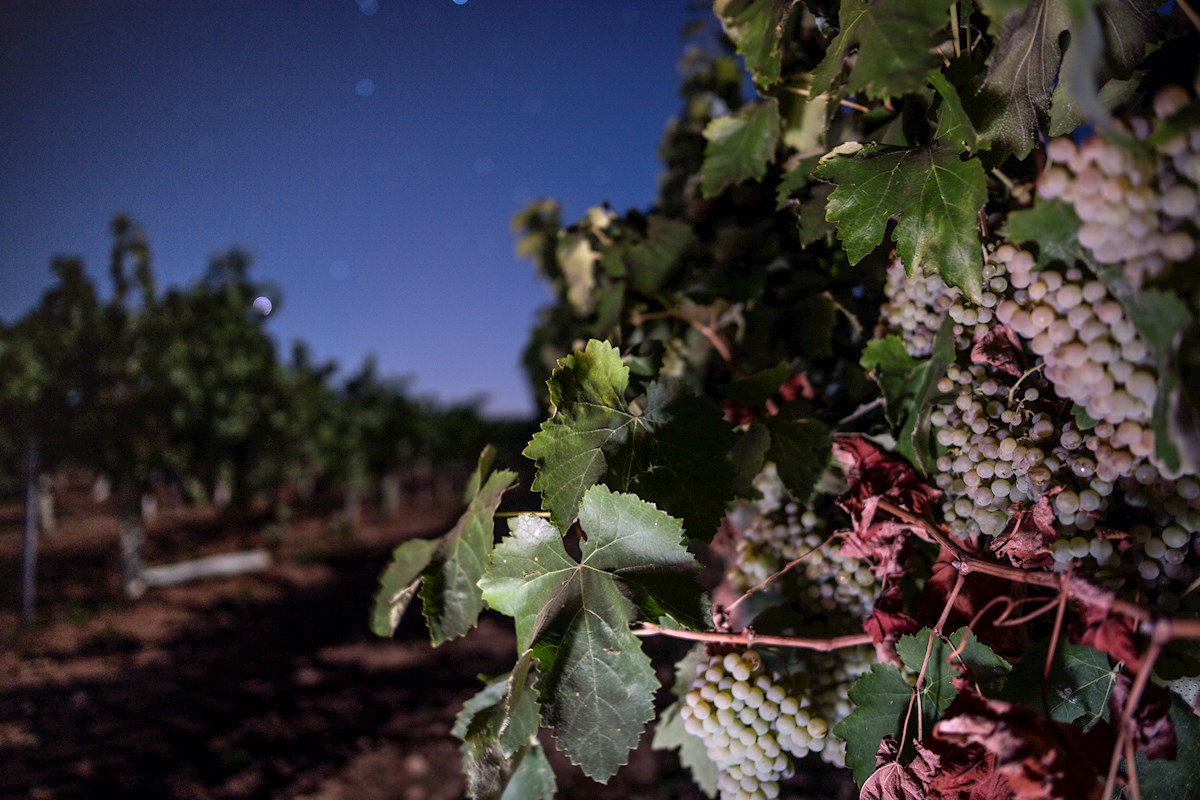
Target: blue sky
x=368 y=154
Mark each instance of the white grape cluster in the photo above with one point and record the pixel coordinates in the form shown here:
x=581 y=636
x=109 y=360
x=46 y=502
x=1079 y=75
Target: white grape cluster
x=1091 y=350
x=1138 y=214
x=1007 y=441
x=1002 y=449
x=753 y=727
x=773 y=531
x=915 y=308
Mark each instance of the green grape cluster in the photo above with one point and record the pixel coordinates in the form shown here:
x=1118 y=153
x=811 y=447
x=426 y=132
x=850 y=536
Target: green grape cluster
x=751 y=725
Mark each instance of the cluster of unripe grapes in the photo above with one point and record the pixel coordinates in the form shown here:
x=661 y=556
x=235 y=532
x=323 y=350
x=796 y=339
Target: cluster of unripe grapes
x=774 y=531
x=753 y=726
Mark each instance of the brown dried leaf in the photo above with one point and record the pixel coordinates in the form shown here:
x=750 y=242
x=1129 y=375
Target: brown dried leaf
x=1040 y=759
x=1028 y=538
x=1000 y=349
x=873 y=475
x=1114 y=634
x=892 y=780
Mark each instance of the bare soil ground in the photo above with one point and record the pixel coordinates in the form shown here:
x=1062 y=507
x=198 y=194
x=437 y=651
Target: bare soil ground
x=261 y=686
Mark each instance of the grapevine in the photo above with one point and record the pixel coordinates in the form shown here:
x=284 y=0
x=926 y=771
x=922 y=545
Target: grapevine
x=908 y=348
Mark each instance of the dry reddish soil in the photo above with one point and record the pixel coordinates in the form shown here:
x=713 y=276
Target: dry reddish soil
x=261 y=686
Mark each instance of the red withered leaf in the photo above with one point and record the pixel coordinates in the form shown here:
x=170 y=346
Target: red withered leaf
x=1029 y=535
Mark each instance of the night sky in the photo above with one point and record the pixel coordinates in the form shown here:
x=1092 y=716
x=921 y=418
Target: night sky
x=369 y=155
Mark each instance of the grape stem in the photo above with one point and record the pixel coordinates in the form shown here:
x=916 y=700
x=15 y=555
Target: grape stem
x=748 y=637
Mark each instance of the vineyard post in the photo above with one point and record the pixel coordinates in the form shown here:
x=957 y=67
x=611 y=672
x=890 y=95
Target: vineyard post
x=30 y=541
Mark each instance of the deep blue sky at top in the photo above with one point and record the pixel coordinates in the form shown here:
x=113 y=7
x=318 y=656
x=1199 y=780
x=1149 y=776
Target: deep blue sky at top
x=368 y=154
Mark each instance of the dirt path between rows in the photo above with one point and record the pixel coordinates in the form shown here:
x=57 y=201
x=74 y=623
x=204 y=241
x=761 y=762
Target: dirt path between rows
x=263 y=686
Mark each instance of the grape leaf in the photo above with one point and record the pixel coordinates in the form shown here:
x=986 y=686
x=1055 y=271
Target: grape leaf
x=740 y=146
x=939 y=690
x=881 y=699
x=450 y=595
x=670 y=734
x=653 y=260
x=1160 y=317
x=1053 y=227
x=589 y=419
x=497 y=727
x=800 y=447
x=1013 y=102
x=674 y=452
x=1079 y=685
x=399 y=583
x=936 y=195
x=895 y=40
x=1107 y=42
x=808 y=198
x=954 y=126
x=597 y=685
x=1178 y=779
x=532 y=778
x=747 y=455
x=756 y=26
x=916 y=439
x=1083 y=420
x=445 y=569
x=889 y=365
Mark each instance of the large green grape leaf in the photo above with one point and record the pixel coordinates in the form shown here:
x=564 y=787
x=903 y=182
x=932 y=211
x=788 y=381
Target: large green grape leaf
x=1079 y=685
x=1013 y=102
x=740 y=146
x=498 y=727
x=590 y=420
x=450 y=595
x=880 y=700
x=756 y=26
x=672 y=452
x=446 y=570
x=937 y=196
x=895 y=42
x=597 y=685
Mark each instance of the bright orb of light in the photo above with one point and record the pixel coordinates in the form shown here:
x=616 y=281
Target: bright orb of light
x=263 y=305
x=460 y=2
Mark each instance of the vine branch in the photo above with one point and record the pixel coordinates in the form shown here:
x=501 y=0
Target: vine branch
x=750 y=638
